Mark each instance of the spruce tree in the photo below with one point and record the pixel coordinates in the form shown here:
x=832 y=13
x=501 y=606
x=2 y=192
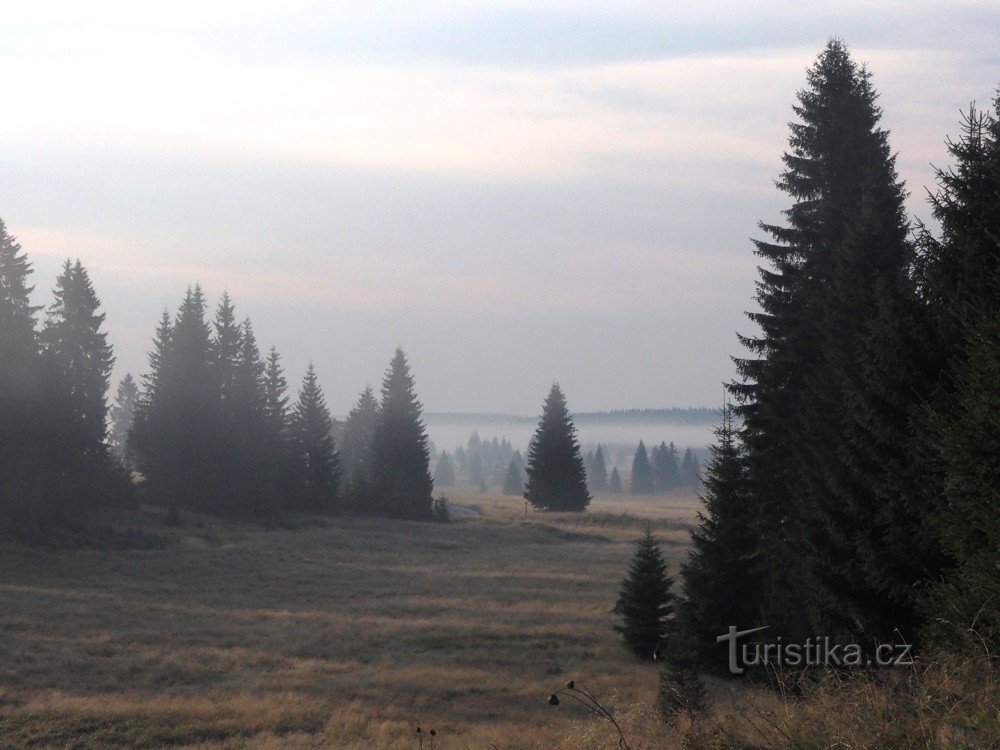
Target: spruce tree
x=78 y=359
x=689 y=469
x=960 y=273
x=556 y=476
x=178 y=437
x=666 y=471
x=642 y=472
x=721 y=577
x=275 y=397
x=400 y=474
x=597 y=474
x=122 y=415
x=315 y=451
x=359 y=432
x=831 y=270
x=24 y=422
x=513 y=481
x=226 y=347
x=79 y=349
x=444 y=472
x=250 y=474
x=645 y=601
x=615 y=482
x=283 y=479
x=963 y=609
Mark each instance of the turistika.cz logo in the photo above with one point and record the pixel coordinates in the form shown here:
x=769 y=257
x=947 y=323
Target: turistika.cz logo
x=813 y=652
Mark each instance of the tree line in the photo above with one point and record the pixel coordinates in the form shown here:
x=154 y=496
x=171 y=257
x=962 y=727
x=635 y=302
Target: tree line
x=210 y=426
x=853 y=490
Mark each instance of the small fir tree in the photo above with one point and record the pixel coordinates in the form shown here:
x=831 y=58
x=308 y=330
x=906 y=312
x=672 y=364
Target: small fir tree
x=122 y=414
x=642 y=472
x=556 y=476
x=597 y=474
x=645 y=602
x=615 y=482
x=513 y=481
x=444 y=472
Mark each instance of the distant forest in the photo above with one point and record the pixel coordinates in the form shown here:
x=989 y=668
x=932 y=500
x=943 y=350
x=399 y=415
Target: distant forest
x=674 y=415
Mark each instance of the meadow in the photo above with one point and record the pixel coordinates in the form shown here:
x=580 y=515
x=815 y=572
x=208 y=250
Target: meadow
x=347 y=633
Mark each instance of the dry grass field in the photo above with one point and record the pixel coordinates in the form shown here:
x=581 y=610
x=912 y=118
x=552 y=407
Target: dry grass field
x=344 y=636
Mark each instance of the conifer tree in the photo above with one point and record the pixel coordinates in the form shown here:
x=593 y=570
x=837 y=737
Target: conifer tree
x=721 y=575
x=275 y=398
x=161 y=343
x=477 y=475
x=79 y=349
x=78 y=361
x=317 y=456
x=963 y=609
x=23 y=419
x=177 y=435
x=444 y=472
x=513 y=481
x=225 y=352
x=645 y=601
x=689 y=469
x=556 y=476
x=122 y=414
x=597 y=474
x=666 y=471
x=251 y=472
x=828 y=274
x=642 y=472
x=960 y=273
x=615 y=482
x=359 y=432
x=400 y=474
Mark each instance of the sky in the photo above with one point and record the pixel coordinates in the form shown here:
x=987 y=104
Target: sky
x=514 y=192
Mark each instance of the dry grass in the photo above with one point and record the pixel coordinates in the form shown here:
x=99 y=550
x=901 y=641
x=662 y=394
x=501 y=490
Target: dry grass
x=347 y=636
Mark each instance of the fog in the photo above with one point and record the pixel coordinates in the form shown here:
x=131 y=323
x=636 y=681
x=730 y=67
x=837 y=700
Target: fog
x=515 y=195
x=453 y=431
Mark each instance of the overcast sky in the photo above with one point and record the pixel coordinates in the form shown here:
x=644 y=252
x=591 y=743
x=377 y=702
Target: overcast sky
x=515 y=192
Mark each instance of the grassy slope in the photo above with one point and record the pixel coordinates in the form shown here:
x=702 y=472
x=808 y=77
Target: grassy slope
x=345 y=636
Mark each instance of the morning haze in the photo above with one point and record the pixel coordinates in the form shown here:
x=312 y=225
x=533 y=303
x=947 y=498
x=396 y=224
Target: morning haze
x=500 y=375
x=489 y=185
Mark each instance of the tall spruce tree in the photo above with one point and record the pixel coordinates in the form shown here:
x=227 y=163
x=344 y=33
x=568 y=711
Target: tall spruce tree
x=249 y=483
x=78 y=359
x=400 y=472
x=556 y=476
x=960 y=273
x=283 y=478
x=122 y=415
x=645 y=601
x=226 y=348
x=721 y=577
x=317 y=456
x=73 y=338
x=24 y=420
x=642 y=472
x=837 y=264
x=176 y=433
x=963 y=609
